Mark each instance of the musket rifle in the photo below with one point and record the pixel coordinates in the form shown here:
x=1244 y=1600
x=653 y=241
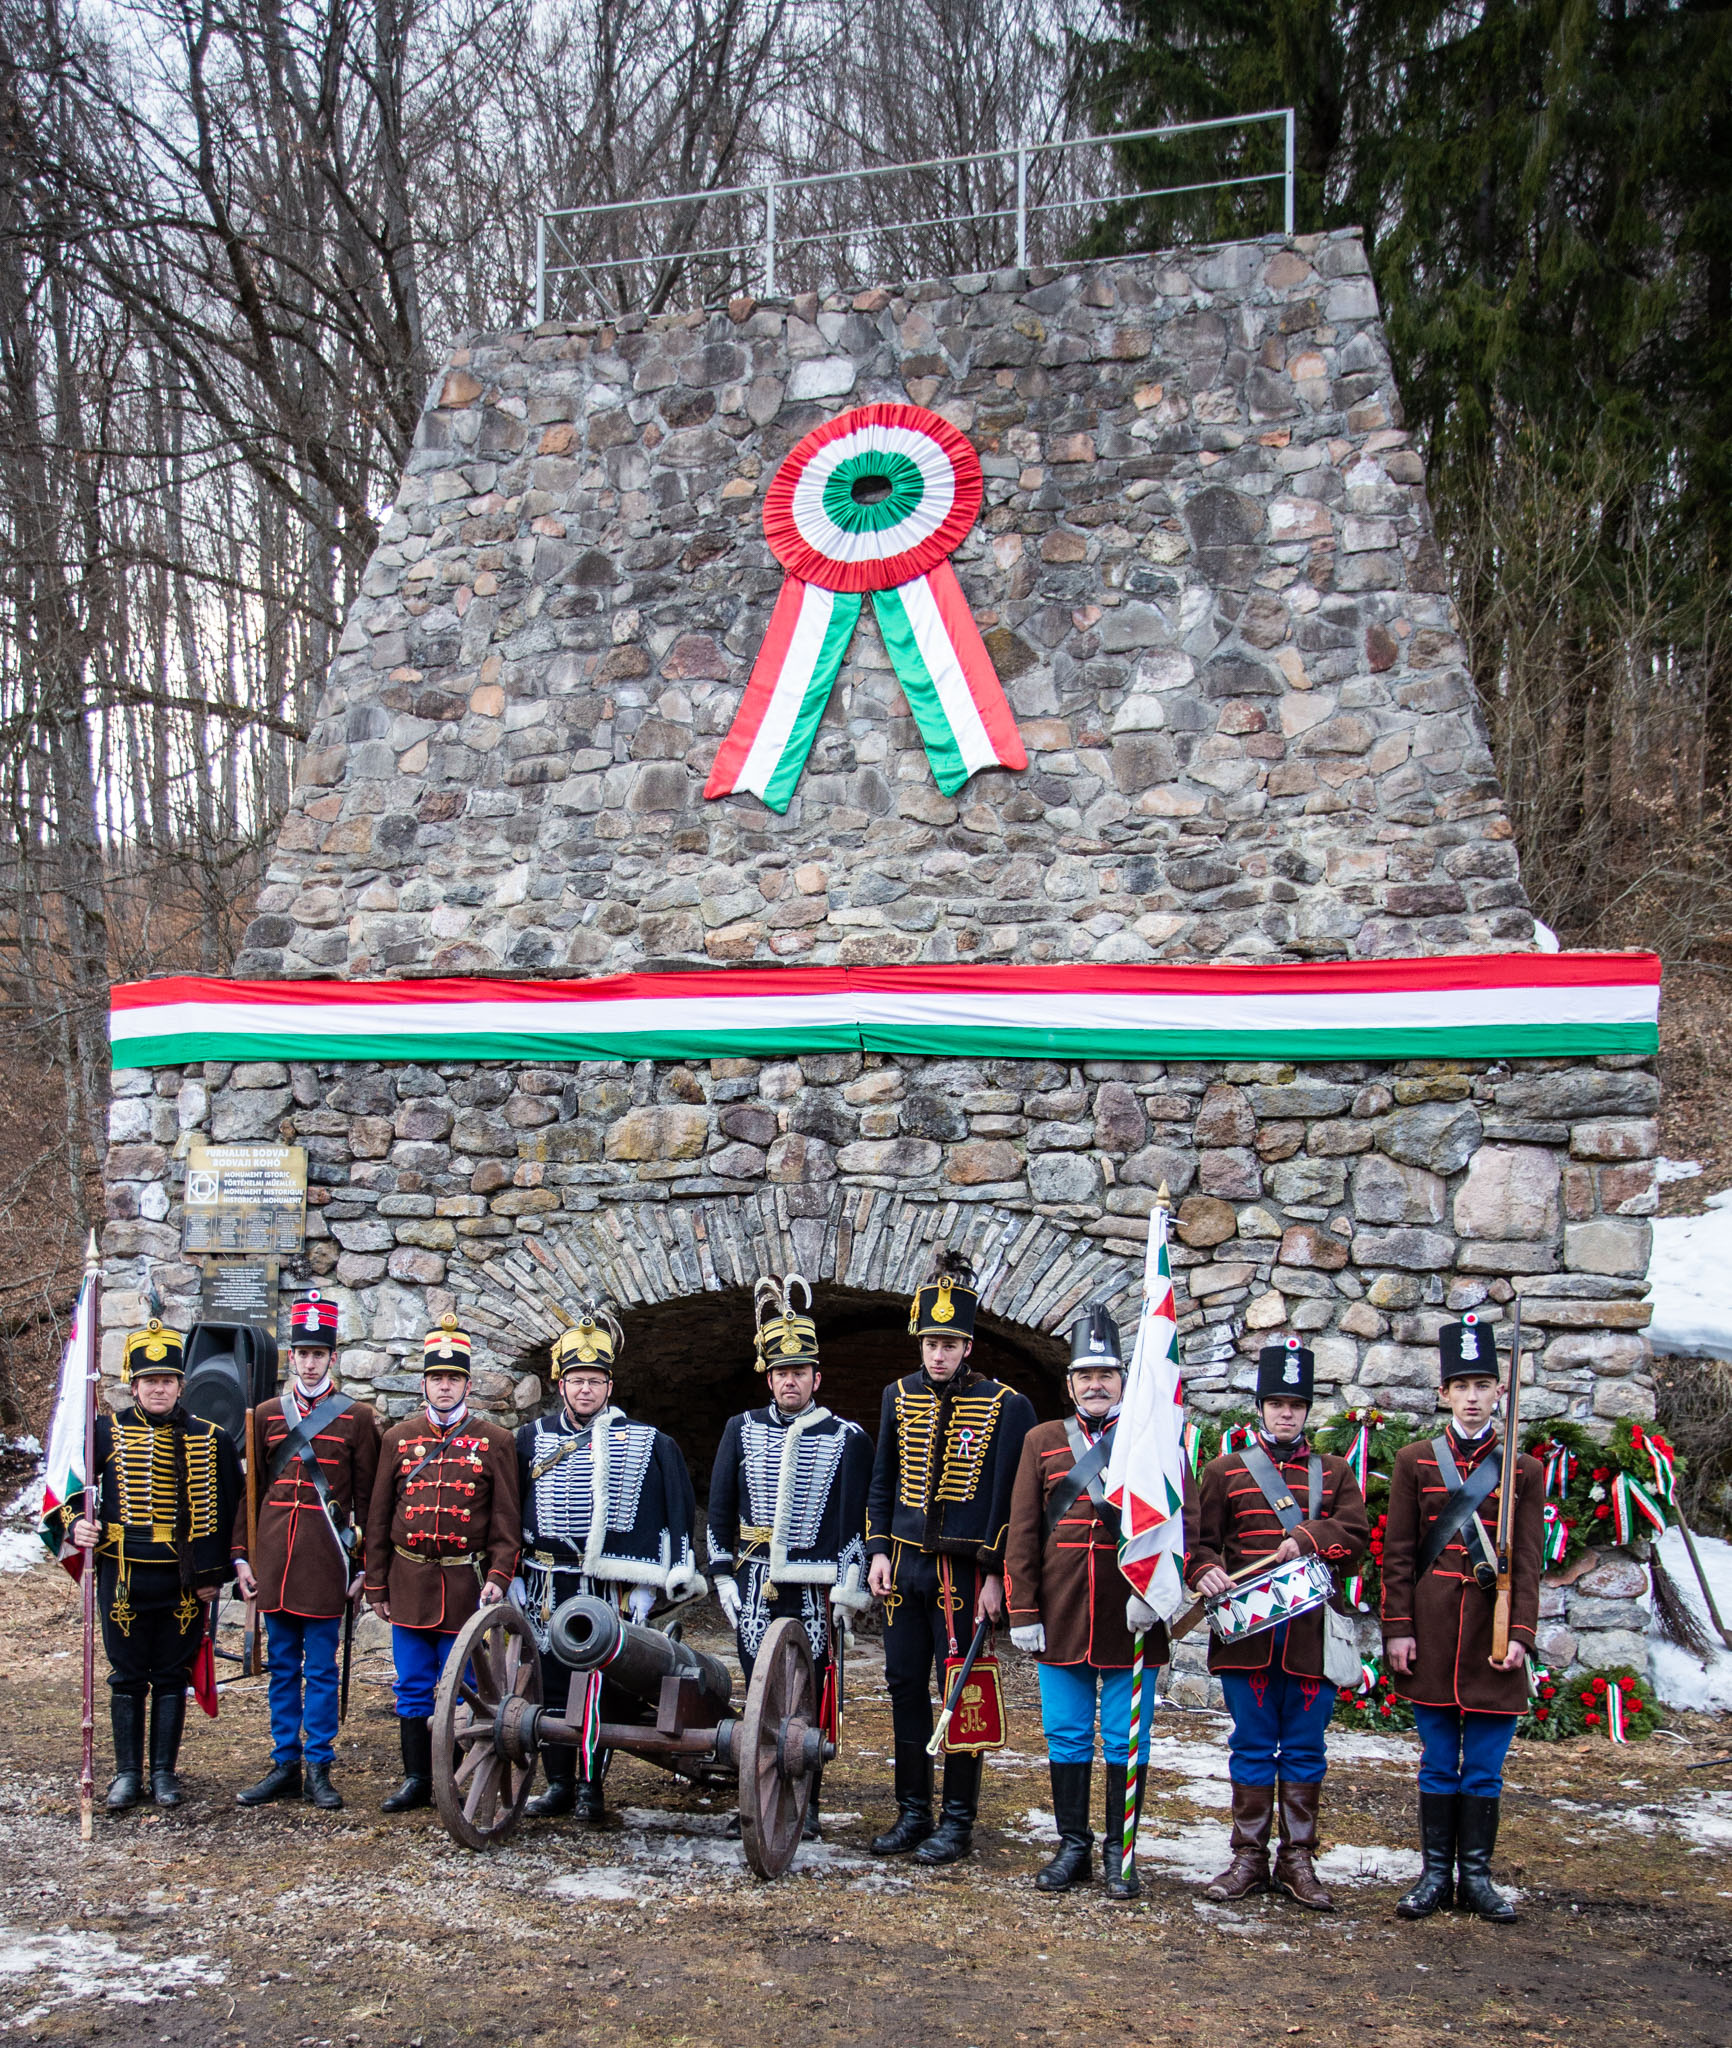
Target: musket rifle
x=1507 y=1493
x=251 y=1659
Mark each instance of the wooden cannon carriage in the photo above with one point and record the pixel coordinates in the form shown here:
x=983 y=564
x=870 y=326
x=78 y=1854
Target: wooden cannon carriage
x=489 y=1721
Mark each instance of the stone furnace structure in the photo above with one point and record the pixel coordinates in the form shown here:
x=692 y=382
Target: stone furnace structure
x=1207 y=576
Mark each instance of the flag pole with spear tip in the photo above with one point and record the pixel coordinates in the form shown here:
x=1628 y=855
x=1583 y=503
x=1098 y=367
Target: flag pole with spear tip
x=92 y=1510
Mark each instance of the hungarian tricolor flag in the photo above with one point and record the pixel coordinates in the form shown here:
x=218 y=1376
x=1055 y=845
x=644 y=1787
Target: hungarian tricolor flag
x=873 y=503
x=64 y=1475
x=1145 y=1475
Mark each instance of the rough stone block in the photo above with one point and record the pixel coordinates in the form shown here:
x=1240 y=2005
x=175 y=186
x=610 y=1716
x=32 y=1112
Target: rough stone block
x=1440 y=1136
x=981 y=1162
x=906 y=1158
x=239 y=1114
x=1608 y=1245
x=1232 y=1174
x=1626 y=1137
x=1310 y=1244
x=1415 y=1250
x=1606 y=1648
x=1623 y=1401
x=1386 y=1365
x=664 y=1131
x=1063 y=1177
x=1385 y=1191
x=1203 y=1222
x=1511 y=1191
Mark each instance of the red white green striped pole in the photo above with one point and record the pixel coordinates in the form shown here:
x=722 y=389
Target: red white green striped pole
x=1133 y=1767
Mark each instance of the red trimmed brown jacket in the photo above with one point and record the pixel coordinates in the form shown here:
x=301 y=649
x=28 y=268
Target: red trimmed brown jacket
x=1447 y=1612
x=1067 y=1579
x=444 y=1515
x=1233 y=1525
x=297 y=1559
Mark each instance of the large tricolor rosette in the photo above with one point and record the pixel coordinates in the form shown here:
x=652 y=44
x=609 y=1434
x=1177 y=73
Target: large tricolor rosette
x=874 y=502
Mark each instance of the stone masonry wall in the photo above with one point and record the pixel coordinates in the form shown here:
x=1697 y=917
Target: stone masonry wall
x=1205 y=570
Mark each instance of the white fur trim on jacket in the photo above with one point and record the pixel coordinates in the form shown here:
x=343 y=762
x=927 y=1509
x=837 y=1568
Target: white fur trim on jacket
x=600 y=1431
x=787 y=1472
x=851 y=1597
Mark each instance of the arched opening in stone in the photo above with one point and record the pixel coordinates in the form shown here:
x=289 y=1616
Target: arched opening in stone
x=687 y=1363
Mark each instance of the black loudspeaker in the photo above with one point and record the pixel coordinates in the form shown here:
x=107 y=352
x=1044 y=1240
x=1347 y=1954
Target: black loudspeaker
x=230 y=1367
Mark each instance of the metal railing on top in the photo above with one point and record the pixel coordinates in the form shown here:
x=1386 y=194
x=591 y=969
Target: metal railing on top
x=1030 y=209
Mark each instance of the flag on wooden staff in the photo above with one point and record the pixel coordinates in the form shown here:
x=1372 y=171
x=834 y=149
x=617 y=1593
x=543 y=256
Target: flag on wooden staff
x=64 y=1474
x=874 y=502
x=1145 y=1475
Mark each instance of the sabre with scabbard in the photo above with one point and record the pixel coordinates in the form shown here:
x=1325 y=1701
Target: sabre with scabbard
x=1507 y=1493
x=964 y=1673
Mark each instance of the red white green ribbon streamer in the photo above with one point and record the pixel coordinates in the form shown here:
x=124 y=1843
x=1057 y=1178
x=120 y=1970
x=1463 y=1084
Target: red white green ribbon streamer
x=876 y=501
x=1663 y=1459
x=589 y=1726
x=1615 y=1713
x=1556 y=1538
x=1630 y=1498
x=1193 y=1442
x=1353 y=1587
x=1560 y=1469
x=1359 y=1453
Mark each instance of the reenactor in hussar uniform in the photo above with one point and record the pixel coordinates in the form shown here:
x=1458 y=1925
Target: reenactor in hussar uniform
x=1248 y=1512
x=166 y=1493
x=607 y=1510
x=317 y=1451
x=787 y=1510
x=948 y=1443
x=444 y=1509
x=1439 y=1572
x=1068 y=1603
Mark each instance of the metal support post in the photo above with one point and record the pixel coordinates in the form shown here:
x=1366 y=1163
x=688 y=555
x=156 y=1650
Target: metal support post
x=1289 y=184
x=540 y=268
x=1022 y=205
x=770 y=240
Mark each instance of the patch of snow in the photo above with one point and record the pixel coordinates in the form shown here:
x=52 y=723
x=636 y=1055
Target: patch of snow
x=603 y=1884
x=1704 y=1819
x=90 y=1965
x=1690 y=1282
x=1679 y=1678
x=1200 y=1852
x=659 y=1841
x=22 y=1550
x=1351 y=1746
x=1676 y=1169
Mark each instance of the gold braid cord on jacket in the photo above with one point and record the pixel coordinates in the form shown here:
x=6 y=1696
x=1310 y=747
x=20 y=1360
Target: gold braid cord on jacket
x=164 y=1506
x=973 y=1418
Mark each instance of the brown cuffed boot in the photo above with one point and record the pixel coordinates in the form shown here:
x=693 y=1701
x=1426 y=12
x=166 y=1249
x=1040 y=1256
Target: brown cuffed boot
x=1293 y=1869
x=1253 y=1815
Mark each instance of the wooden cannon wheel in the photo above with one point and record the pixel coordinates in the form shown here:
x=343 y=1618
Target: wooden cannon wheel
x=781 y=1706
x=482 y=1766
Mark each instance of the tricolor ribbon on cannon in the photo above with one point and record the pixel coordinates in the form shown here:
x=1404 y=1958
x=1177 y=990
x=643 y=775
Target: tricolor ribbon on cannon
x=872 y=503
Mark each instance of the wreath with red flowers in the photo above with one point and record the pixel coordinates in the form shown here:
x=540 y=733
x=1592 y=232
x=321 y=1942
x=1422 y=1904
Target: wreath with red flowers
x=1591 y=1703
x=1601 y=1495
x=1373 y=1704
x=1368 y=1438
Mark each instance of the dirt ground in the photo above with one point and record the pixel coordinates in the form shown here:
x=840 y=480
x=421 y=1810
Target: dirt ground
x=289 y=1928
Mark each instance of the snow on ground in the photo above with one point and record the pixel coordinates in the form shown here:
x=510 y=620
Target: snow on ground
x=1704 y=1819
x=1679 y=1678
x=20 y=1546
x=55 y=1969
x=1200 y=1851
x=1690 y=1281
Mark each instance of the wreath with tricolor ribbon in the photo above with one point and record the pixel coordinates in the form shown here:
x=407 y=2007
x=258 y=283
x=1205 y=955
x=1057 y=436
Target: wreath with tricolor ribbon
x=873 y=503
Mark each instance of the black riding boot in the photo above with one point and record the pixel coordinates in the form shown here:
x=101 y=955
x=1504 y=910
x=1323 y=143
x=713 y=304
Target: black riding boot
x=281 y=1781
x=1475 y=1839
x=1435 y=1886
x=559 y=1761
x=126 y=1715
x=591 y=1791
x=320 y=1792
x=167 y=1719
x=913 y=1822
x=810 y=1830
x=1071 y=1787
x=952 y=1839
x=1121 y=1875
x=417 y=1786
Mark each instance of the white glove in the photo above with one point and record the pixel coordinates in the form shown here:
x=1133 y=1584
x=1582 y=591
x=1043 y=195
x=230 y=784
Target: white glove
x=1031 y=1640
x=728 y=1598
x=642 y=1599
x=1139 y=1615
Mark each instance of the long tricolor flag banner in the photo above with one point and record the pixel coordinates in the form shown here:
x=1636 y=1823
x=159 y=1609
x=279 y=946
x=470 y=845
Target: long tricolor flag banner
x=1469 y=1006
x=63 y=1477
x=1145 y=1475
x=874 y=501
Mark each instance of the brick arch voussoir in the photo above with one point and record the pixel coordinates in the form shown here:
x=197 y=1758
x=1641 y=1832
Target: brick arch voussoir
x=1034 y=1271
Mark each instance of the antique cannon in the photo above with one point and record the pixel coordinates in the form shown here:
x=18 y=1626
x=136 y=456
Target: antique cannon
x=489 y=1720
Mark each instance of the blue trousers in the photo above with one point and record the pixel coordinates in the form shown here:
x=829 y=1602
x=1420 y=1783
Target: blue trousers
x=1463 y=1752
x=1067 y=1712
x=1279 y=1723
x=303 y=1687
x=419 y=1655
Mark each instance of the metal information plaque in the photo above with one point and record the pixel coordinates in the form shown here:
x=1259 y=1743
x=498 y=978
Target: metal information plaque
x=240 y=1291
x=244 y=1198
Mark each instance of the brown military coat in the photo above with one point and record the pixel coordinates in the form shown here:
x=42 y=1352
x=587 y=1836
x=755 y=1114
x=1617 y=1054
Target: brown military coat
x=1447 y=1612
x=300 y=1567
x=1068 y=1580
x=432 y=1537
x=1232 y=1525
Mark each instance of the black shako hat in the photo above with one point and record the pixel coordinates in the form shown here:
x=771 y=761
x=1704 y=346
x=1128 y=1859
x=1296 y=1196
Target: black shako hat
x=1286 y=1370
x=1467 y=1350
x=1094 y=1340
x=945 y=1305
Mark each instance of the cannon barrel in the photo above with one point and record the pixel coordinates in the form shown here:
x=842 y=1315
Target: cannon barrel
x=587 y=1635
